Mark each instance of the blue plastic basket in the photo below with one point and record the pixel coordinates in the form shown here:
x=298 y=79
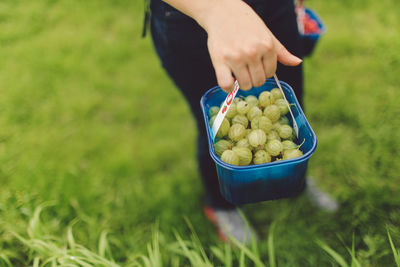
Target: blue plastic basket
x=268 y=181
x=310 y=40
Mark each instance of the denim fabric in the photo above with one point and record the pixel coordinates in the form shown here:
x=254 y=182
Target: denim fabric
x=181 y=45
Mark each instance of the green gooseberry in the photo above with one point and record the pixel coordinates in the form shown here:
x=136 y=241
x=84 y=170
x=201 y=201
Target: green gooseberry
x=230 y=157
x=274 y=147
x=257 y=138
x=244 y=154
x=261 y=156
x=261 y=122
x=221 y=146
x=272 y=112
x=237 y=132
x=240 y=119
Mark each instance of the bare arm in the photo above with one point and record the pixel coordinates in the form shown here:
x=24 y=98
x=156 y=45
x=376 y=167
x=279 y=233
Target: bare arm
x=238 y=41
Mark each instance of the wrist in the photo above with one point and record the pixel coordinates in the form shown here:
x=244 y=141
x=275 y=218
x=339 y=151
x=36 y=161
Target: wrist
x=210 y=12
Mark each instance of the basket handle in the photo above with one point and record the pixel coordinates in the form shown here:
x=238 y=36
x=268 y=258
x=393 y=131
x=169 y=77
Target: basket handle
x=296 y=129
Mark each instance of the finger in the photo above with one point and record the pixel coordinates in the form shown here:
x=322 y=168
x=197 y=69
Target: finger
x=224 y=77
x=269 y=64
x=257 y=74
x=242 y=75
x=284 y=56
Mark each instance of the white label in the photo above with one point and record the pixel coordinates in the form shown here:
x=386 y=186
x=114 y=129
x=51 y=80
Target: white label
x=223 y=110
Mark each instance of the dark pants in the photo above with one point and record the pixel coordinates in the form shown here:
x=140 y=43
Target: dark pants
x=181 y=45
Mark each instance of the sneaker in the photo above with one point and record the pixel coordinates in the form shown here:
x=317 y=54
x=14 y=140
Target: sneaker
x=319 y=198
x=230 y=222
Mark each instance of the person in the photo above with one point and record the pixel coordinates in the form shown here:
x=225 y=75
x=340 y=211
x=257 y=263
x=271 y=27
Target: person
x=202 y=43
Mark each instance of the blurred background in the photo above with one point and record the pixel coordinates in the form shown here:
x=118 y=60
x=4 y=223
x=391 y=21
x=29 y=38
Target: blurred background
x=97 y=147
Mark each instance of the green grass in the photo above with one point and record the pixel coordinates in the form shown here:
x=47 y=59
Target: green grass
x=97 y=146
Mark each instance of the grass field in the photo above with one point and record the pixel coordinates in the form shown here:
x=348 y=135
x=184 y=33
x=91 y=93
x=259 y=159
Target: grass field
x=97 y=147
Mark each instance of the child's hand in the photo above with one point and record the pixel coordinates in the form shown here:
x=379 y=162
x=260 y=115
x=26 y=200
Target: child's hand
x=240 y=43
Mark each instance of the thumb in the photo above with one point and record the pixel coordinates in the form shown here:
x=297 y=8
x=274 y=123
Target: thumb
x=284 y=56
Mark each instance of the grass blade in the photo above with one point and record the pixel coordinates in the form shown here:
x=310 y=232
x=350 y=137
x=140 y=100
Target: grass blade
x=339 y=259
x=185 y=249
x=242 y=259
x=145 y=260
x=154 y=250
x=197 y=243
x=396 y=253
x=247 y=252
x=271 y=250
x=175 y=262
x=5 y=259
x=103 y=246
x=354 y=261
x=70 y=238
x=34 y=222
x=218 y=253
x=228 y=255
